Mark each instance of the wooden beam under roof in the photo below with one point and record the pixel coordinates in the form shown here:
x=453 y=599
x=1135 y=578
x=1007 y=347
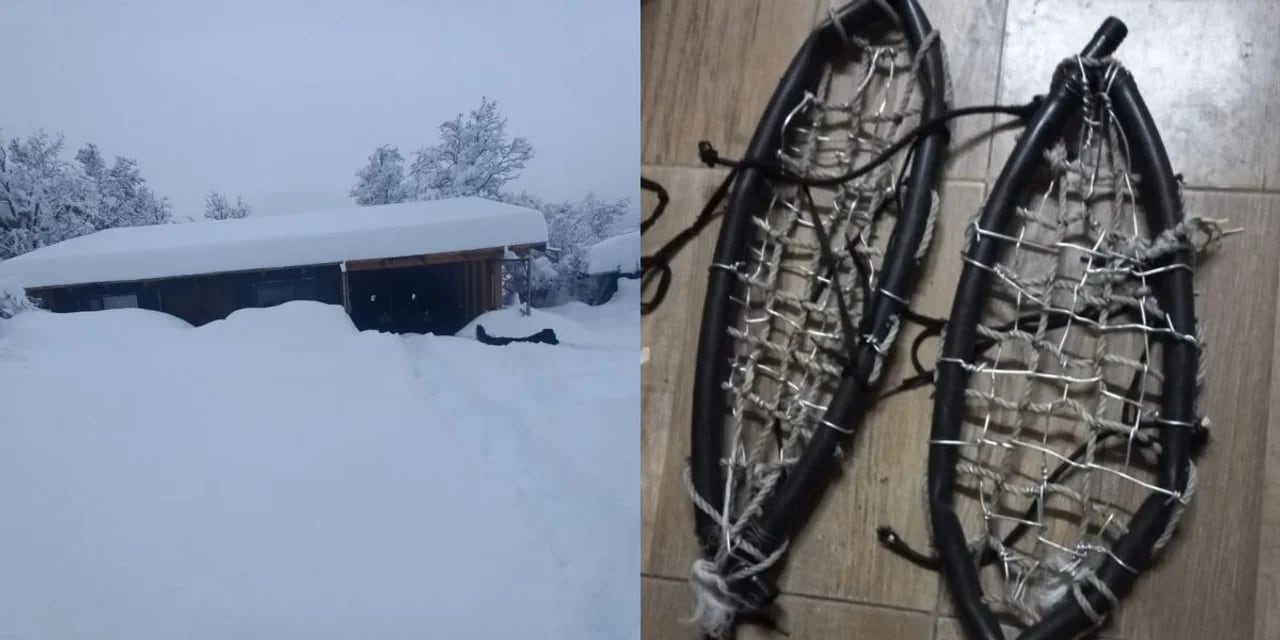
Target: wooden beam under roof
x=424 y=260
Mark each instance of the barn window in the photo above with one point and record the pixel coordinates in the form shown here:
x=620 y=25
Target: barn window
x=274 y=292
x=126 y=301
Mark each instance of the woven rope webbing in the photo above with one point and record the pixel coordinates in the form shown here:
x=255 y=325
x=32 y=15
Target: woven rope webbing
x=788 y=336
x=1069 y=373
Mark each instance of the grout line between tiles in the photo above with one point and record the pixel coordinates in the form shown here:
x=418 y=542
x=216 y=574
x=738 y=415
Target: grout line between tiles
x=1230 y=190
x=817 y=598
x=985 y=182
x=991 y=145
x=973 y=182
x=680 y=167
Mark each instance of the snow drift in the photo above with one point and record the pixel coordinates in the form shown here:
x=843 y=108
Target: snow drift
x=280 y=475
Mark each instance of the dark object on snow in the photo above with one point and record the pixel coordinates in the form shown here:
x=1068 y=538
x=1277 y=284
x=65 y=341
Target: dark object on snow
x=546 y=336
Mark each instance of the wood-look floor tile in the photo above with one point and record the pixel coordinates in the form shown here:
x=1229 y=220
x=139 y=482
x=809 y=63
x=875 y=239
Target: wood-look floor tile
x=1267 y=590
x=1205 y=69
x=1214 y=559
x=708 y=68
x=670 y=336
x=972 y=34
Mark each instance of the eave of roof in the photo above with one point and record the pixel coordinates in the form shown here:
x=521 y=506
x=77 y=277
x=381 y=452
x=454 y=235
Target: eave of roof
x=278 y=241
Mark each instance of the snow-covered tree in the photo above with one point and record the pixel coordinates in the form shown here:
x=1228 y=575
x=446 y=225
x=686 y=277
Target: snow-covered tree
x=572 y=228
x=126 y=198
x=151 y=209
x=522 y=199
x=474 y=157
x=217 y=207
x=91 y=160
x=14 y=299
x=382 y=180
x=44 y=199
x=546 y=281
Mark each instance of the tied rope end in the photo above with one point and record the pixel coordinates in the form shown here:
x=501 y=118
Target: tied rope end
x=708 y=153
x=717 y=611
x=715 y=607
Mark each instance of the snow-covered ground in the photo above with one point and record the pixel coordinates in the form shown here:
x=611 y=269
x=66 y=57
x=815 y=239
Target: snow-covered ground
x=280 y=475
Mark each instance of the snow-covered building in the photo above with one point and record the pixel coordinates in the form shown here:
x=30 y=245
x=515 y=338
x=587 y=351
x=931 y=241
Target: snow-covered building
x=619 y=254
x=611 y=259
x=416 y=266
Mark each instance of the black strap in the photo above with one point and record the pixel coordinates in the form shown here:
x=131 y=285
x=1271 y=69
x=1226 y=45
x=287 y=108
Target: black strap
x=656 y=268
x=658 y=265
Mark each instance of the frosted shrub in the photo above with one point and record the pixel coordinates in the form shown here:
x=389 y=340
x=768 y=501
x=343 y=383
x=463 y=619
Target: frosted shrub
x=14 y=299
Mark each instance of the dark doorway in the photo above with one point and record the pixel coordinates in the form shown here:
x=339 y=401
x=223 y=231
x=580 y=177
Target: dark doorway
x=427 y=299
x=198 y=300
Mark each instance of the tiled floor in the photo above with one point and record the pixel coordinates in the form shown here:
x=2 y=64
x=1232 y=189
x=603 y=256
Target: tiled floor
x=1210 y=72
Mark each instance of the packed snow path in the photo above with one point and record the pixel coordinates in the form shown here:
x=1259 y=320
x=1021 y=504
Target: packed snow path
x=281 y=475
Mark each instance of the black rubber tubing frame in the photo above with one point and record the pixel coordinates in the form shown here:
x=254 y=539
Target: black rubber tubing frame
x=1161 y=203
x=798 y=493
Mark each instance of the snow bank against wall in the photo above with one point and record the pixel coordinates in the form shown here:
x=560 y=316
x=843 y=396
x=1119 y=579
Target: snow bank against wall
x=278 y=474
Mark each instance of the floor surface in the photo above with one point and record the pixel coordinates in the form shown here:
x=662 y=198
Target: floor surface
x=1210 y=72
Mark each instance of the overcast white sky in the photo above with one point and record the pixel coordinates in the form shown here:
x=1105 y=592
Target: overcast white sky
x=282 y=101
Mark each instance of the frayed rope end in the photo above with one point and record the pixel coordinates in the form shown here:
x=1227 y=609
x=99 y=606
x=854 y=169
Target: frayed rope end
x=714 y=606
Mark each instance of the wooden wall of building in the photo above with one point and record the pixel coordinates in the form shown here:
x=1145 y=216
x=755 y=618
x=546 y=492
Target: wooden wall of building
x=482 y=283
x=199 y=299
x=476 y=274
x=470 y=282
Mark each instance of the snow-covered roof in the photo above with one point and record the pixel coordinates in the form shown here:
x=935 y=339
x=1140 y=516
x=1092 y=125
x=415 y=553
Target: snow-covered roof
x=268 y=242
x=617 y=254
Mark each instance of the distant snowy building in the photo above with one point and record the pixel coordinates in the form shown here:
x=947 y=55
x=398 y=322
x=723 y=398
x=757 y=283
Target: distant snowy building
x=619 y=254
x=609 y=260
x=416 y=266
